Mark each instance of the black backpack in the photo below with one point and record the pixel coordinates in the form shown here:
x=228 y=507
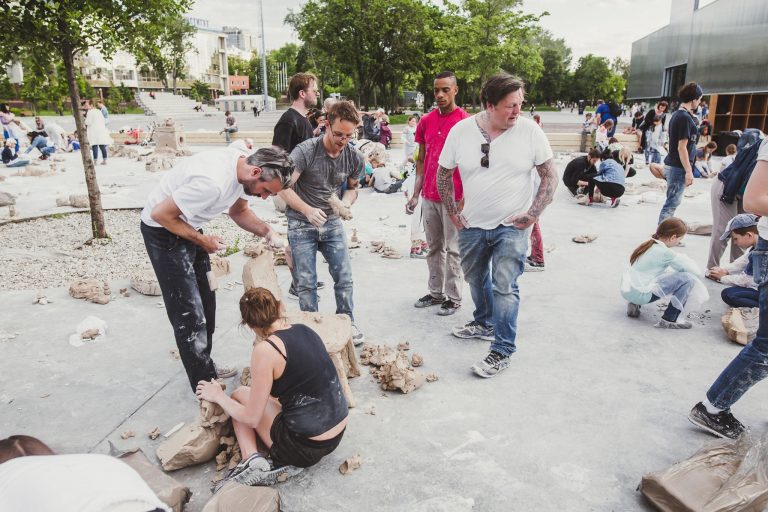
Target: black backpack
x=615 y=109
x=369 y=128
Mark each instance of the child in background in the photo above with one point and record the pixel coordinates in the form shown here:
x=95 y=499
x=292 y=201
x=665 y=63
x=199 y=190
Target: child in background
x=701 y=168
x=10 y=155
x=742 y=229
x=385 y=133
x=656 y=140
x=730 y=156
x=648 y=278
x=72 y=143
x=601 y=139
x=588 y=126
x=409 y=138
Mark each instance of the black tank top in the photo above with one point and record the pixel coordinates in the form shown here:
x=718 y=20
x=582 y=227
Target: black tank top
x=309 y=388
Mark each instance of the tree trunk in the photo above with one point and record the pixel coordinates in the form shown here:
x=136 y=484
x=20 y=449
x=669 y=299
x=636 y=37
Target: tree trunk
x=98 y=225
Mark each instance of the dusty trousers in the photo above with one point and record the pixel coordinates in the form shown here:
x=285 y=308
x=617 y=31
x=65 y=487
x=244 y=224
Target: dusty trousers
x=721 y=214
x=181 y=267
x=443 y=260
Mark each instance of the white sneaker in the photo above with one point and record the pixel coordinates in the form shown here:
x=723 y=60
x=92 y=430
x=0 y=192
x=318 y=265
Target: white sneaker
x=357 y=336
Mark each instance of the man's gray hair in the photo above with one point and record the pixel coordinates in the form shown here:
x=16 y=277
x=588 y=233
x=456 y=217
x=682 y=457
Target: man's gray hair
x=498 y=87
x=274 y=162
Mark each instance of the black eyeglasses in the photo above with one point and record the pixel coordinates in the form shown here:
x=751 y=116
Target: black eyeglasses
x=485 y=148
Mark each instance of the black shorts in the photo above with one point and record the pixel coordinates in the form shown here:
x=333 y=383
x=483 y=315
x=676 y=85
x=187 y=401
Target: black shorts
x=289 y=449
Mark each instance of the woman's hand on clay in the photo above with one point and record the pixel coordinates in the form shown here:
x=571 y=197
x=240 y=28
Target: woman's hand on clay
x=210 y=391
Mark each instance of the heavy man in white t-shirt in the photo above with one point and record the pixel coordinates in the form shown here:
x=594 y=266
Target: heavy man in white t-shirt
x=496 y=152
x=750 y=366
x=193 y=193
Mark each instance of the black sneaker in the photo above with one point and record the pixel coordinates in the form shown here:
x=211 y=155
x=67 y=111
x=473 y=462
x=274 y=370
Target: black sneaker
x=534 y=266
x=722 y=424
x=428 y=300
x=633 y=310
x=493 y=363
x=448 y=308
x=295 y=296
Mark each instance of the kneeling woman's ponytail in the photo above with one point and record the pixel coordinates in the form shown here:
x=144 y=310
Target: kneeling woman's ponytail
x=667 y=229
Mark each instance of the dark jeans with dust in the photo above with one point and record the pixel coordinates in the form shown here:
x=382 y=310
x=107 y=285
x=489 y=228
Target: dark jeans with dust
x=181 y=267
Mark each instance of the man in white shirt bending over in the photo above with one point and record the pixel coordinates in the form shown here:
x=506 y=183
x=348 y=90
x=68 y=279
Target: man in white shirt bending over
x=193 y=193
x=496 y=152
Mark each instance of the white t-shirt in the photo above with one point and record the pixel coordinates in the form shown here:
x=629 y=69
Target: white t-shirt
x=504 y=188
x=762 y=224
x=203 y=187
x=382 y=178
x=73 y=483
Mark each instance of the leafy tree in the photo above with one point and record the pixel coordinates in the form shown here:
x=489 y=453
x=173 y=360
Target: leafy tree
x=164 y=45
x=592 y=79
x=375 y=42
x=486 y=36
x=556 y=57
x=199 y=91
x=55 y=29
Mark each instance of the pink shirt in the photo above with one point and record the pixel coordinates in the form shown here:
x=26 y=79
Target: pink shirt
x=432 y=131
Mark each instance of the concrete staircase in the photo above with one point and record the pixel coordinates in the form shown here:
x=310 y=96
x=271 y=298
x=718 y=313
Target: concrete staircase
x=166 y=104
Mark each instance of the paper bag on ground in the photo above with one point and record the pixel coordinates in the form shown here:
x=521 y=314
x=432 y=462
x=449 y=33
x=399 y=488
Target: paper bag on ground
x=167 y=488
x=235 y=497
x=725 y=476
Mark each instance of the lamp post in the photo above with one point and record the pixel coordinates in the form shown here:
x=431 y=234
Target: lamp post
x=264 y=60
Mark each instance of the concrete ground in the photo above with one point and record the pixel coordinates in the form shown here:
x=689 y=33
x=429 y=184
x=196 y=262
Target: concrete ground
x=591 y=402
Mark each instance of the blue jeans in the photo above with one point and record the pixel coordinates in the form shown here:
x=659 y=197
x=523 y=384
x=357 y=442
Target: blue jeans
x=39 y=143
x=492 y=261
x=95 y=151
x=305 y=240
x=675 y=190
x=181 y=267
x=751 y=364
x=19 y=162
x=652 y=156
x=740 y=297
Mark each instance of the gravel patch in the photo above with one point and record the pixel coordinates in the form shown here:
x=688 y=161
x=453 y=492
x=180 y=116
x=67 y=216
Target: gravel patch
x=53 y=252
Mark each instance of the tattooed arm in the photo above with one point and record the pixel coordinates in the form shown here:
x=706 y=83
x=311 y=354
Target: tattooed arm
x=445 y=189
x=544 y=196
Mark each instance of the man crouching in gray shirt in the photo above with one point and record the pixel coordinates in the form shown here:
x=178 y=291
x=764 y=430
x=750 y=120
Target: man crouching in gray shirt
x=323 y=166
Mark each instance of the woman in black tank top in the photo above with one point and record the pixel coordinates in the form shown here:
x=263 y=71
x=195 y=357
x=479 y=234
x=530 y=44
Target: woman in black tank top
x=294 y=413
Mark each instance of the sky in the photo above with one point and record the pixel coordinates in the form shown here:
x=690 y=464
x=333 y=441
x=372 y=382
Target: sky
x=602 y=27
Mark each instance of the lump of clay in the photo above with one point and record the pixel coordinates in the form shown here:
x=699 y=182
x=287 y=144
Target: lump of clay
x=255 y=249
x=219 y=265
x=339 y=207
x=351 y=464
x=91 y=290
x=404 y=345
x=399 y=375
x=145 y=282
x=417 y=360
x=584 y=239
x=245 y=376
x=377 y=355
x=195 y=443
x=79 y=201
x=259 y=271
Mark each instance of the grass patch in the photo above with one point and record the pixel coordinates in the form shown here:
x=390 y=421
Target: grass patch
x=59 y=216
x=231 y=249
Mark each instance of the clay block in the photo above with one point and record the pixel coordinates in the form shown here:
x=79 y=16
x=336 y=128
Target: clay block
x=219 y=265
x=254 y=250
x=198 y=442
x=91 y=290
x=400 y=375
x=167 y=488
x=145 y=282
x=724 y=476
x=260 y=272
x=79 y=201
x=235 y=497
x=339 y=207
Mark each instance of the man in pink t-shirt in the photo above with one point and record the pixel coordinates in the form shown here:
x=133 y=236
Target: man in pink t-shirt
x=443 y=261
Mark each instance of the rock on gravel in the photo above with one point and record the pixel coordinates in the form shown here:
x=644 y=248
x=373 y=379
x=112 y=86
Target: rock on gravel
x=52 y=252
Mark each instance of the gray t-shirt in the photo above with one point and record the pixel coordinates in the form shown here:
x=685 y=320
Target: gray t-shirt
x=321 y=175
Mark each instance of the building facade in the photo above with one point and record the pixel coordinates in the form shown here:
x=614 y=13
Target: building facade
x=719 y=44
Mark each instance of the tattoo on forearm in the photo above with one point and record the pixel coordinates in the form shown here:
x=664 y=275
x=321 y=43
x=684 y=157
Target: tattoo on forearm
x=445 y=189
x=546 y=191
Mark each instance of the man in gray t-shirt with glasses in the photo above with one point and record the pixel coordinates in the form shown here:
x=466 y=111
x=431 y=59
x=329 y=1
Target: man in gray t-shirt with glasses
x=323 y=165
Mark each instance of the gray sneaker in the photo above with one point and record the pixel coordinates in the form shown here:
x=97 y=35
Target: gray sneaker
x=493 y=363
x=633 y=310
x=253 y=464
x=357 y=336
x=722 y=424
x=474 y=330
x=257 y=470
x=666 y=324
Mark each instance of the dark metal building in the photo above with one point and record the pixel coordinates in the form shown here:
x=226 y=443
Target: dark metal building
x=723 y=46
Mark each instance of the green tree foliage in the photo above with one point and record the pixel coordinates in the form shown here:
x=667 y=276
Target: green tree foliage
x=163 y=46
x=375 y=42
x=483 y=37
x=593 y=80
x=199 y=91
x=556 y=57
x=51 y=30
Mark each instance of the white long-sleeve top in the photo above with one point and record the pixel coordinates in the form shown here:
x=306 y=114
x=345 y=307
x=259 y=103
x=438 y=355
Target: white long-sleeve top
x=736 y=275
